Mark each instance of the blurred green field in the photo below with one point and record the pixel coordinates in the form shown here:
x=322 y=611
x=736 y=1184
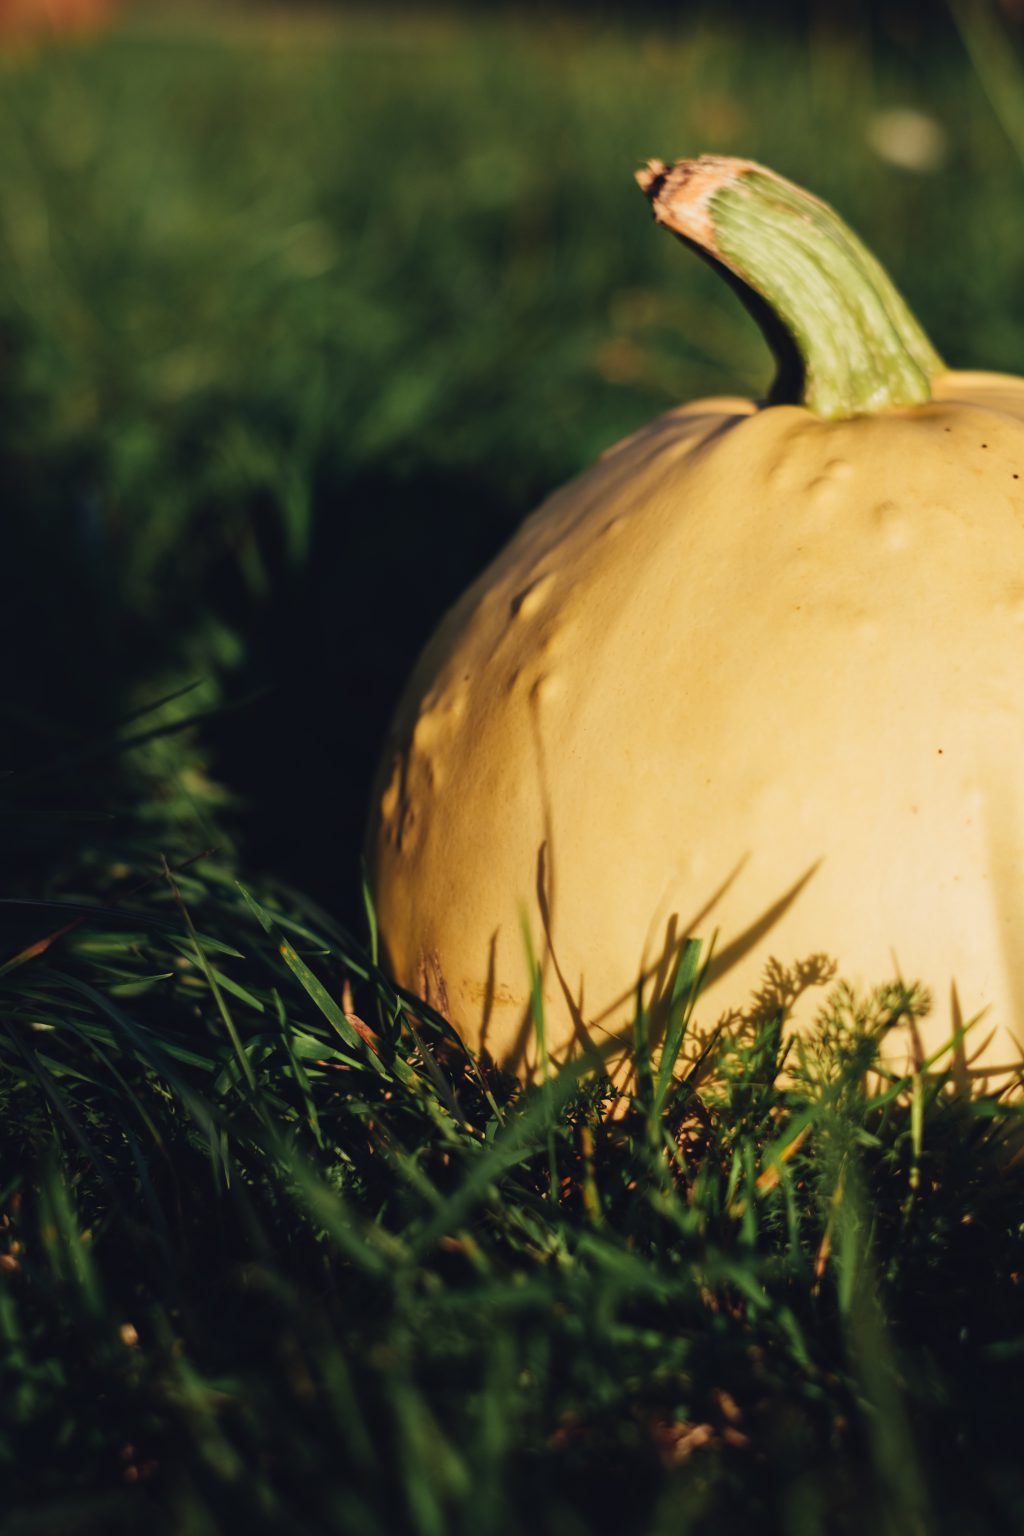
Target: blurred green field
x=300 y=316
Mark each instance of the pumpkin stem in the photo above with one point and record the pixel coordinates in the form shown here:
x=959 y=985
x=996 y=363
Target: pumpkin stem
x=844 y=340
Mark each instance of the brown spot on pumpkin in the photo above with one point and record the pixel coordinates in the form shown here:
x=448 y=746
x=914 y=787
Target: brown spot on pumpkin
x=432 y=985
x=500 y=996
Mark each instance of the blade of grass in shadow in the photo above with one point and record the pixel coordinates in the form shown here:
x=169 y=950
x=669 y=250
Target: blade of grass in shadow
x=872 y=1359
x=314 y=988
x=44 y=1074
x=298 y=1071
x=223 y=981
x=114 y=746
x=67 y=1246
x=159 y=1054
x=371 y=1248
x=369 y=907
x=523 y=1135
x=86 y=914
x=411 y=1007
x=218 y=996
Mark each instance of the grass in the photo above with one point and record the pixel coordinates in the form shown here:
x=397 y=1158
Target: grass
x=297 y=323
x=276 y=1254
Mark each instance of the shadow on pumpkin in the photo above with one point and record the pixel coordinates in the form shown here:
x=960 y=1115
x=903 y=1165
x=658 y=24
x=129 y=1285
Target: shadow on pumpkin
x=751 y=1045
x=759 y=1026
x=594 y=1039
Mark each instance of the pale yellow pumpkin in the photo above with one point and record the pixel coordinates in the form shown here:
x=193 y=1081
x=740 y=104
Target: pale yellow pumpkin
x=757 y=671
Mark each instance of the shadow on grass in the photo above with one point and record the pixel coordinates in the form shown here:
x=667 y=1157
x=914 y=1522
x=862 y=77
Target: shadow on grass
x=333 y=644
x=302 y=693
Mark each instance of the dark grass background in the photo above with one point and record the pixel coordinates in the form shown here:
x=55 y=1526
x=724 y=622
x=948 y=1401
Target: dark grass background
x=300 y=313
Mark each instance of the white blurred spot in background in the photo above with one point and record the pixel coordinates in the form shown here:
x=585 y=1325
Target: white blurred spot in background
x=908 y=138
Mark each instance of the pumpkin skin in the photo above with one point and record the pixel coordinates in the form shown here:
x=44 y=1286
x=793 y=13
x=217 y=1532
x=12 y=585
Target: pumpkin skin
x=755 y=672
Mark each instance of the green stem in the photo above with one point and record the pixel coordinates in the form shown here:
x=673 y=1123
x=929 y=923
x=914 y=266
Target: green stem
x=844 y=340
